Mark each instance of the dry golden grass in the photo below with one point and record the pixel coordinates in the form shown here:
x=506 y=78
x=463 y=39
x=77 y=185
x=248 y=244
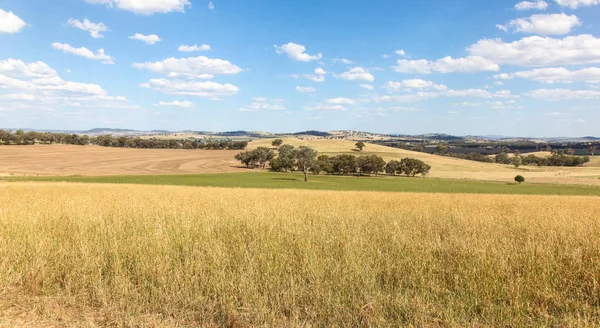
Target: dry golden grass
x=125 y=255
x=454 y=168
x=94 y=160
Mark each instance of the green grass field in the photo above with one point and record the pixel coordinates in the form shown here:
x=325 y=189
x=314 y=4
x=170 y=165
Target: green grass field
x=322 y=182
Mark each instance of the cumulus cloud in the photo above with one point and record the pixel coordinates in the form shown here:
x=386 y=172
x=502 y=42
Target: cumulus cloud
x=356 y=74
x=38 y=86
x=305 y=89
x=318 y=76
x=147 y=39
x=540 y=51
x=211 y=5
x=563 y=94
x=556 y=75
x=193 y=67
x=18 y=68
x=574 y=4
x=529 y=5
x=552 y=24
x=207 y=89
x=84 y=52
x=343 y=61
x=366 y=86
x=341 y=101
x=408 y=85
x=263 y=103
x=176 y=103
x=10 y=23
x=194 y=48
x=296 y=52
x=400 y=52
x=448 y=64
x=95 y=29
x=146 y=7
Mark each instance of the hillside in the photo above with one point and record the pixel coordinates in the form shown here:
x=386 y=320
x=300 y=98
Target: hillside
x=453 y=168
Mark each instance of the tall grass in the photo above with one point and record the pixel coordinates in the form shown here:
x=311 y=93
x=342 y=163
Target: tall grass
x=129 y=255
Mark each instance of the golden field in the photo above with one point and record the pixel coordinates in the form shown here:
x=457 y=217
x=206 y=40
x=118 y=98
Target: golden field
x=160 y=256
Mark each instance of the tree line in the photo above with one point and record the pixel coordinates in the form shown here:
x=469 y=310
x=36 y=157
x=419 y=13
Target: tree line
x=20 y=137
x=560 y=157
x=307 y=160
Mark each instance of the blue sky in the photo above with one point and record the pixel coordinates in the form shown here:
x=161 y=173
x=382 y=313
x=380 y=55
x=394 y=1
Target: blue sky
x=527 y=68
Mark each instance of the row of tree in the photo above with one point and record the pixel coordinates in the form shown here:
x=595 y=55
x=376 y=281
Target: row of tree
x=306 y=160
x=558 y=157
x=20 y=137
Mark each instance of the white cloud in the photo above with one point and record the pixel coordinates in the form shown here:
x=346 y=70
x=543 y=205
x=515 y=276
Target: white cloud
x=84 y=52
x=207 y=89
x=400 y=52
x=211 y=5
x=296 y=52
x=408 y=85
x=10 y=23
x=551 y=24
x=264 y=103
x=448 y=64
x=314 y=118
x=147 y=39
x=193 y=67
x=18 y=68
x=356 y=74
x=95 y=29
x=556 y=75
x=563 y=94
x=528 y=5
x=540 y=51
x=327 y=107
x=341 y=101
x=146 y=7
x=343 y=61
x=194 y=48
x=318 y=76
x=176 y=103
x=367 y=86
x=305 y=89
x=38 y=86
x=574 y=4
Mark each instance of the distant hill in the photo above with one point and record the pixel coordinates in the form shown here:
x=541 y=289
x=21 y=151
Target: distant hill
x=313 y=133
x=108 y=130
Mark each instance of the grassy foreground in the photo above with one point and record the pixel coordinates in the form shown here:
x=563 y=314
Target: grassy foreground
x=324 y=182
x=127 y=255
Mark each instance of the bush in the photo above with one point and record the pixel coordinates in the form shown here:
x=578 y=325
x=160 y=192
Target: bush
x=520 y=179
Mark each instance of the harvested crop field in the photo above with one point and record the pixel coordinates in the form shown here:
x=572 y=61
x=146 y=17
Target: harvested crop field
x=166 y=256
x=97 y=161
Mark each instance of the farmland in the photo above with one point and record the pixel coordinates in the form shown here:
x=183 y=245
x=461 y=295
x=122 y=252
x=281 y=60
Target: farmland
x=67 y=160
x=190 y=256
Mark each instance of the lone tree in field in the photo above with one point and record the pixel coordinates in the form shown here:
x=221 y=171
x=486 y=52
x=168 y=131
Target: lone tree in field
x=276 y=143
x=519 y=179
x=305 y=158
x=592 y=150
x=360 y=145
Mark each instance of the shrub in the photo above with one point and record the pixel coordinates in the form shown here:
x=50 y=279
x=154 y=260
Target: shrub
x=520 y=179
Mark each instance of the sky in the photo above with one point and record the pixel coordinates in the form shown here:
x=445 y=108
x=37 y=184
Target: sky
x=470 y=67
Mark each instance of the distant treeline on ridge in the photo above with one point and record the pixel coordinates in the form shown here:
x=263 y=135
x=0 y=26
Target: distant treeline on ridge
x=20 y=137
